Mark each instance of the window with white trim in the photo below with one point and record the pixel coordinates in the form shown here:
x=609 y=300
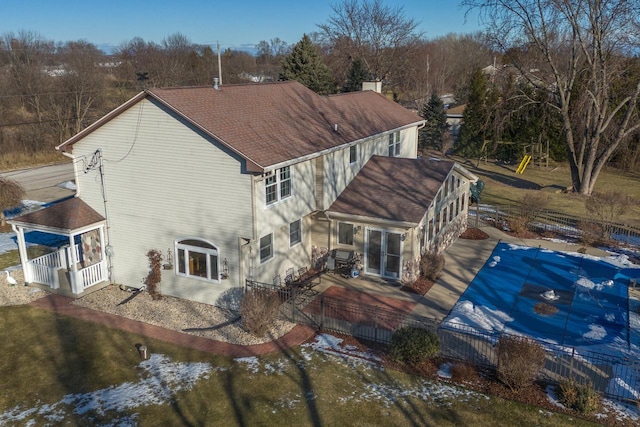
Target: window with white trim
x=394 y=144
x=277 y=185
x=353 y=154
x=266 y=248
x=345 y=233
x=197 y=258
x=295 y=233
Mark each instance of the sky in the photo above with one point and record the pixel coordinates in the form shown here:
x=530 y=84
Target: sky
x=235 y=25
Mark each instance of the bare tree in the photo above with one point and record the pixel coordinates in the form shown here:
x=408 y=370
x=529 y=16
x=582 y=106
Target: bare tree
x=31 y=62
x=79 y=87
x=382 y=36
x=269 y=56
x=577 y=50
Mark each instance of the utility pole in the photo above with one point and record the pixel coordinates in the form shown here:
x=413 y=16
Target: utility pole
x=219 y=64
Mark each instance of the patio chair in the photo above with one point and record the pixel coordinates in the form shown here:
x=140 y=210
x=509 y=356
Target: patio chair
x=277 y=281
x=290 y=277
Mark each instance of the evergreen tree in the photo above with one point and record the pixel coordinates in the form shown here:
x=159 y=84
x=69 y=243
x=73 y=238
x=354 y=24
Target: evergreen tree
x=358 y=73
x=433 y=132
x=305 y=65
x=475 y=117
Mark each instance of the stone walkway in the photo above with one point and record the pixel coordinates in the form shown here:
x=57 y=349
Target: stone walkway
x=61 y=305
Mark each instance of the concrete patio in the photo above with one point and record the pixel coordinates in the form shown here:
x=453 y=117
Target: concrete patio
x=463 y=260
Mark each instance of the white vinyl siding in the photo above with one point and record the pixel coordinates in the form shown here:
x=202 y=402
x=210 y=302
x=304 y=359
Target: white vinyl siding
x=163 y=181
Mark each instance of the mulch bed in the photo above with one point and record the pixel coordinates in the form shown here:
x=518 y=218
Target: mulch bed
x=474 y=234
x=419 y=287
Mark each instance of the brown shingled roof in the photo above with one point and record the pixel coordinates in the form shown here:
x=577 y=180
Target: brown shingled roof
x=395 y=189
x=68 y=215
x=273 y=123
x=278 y=122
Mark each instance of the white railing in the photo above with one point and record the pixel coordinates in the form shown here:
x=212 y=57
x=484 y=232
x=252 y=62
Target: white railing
x=44 y=274
x=54 y=259
x=93 y=274
x=44 y=270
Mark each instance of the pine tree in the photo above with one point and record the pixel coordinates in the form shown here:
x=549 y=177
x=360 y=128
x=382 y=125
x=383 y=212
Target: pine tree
x=358 y=73
x=474 y=118
x=305 y=65
x=433 y=132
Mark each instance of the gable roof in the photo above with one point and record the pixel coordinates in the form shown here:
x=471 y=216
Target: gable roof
x=66 y=216
x=270 y=124
x=394 y=189
x=456 y=111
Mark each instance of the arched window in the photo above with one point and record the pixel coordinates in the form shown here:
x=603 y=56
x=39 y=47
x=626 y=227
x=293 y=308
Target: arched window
x=197 y=258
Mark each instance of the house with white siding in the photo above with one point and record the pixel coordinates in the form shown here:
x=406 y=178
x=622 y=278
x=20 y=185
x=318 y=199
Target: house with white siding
x=242 y=182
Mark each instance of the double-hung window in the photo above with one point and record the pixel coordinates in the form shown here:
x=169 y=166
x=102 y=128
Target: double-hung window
x=295 y=233
x=198 y=258
x=345 y=233
x=266 y=248
x=353 y=154
x=394 y=144
x=277 y=185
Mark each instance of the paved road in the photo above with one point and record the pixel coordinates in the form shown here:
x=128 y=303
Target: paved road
x=43 y=183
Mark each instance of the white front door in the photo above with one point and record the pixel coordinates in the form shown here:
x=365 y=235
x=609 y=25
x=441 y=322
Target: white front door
x=383 y=253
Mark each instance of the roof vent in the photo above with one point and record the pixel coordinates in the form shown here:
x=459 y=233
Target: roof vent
x=215 y=83
x=335 y=127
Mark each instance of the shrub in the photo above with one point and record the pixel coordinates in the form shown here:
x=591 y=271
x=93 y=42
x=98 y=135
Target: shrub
x=608 y=206
x=532 y=204
x=155 y=274
x=464 y=371
x=431 y=265
x=579 y=397
x=11 y=195
x=259 y=310
x=591 y=233
x=518 y=225
x=414 y=345
x=519 y=361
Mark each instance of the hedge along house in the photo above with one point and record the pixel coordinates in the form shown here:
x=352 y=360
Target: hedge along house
x=232 y=182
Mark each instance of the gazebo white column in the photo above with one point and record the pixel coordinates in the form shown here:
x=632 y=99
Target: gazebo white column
x=76 y=282
x=22 y=250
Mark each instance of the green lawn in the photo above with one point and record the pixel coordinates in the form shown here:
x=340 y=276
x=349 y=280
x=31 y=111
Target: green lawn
x=47 y=357
x=504 y=187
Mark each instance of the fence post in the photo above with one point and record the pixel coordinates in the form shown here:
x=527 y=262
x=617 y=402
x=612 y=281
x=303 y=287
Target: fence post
x=321 y=312
x=375 y=324
x=573 y=356
x=294 y=306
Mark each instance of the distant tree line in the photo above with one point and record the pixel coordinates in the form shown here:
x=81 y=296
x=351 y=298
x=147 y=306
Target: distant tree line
x=575 y=87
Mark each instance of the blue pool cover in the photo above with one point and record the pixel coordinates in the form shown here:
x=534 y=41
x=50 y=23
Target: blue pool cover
x=590 y=295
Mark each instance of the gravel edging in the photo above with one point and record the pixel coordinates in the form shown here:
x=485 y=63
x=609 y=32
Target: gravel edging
x=19 y=294
x=199 y=319
x=177 y=314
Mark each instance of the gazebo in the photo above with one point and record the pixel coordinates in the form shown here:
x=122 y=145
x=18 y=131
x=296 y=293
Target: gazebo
x=75 y=267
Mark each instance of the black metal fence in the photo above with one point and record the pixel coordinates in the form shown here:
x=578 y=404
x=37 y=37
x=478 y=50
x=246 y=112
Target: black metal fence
x=613 y=376
x=558 y=223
